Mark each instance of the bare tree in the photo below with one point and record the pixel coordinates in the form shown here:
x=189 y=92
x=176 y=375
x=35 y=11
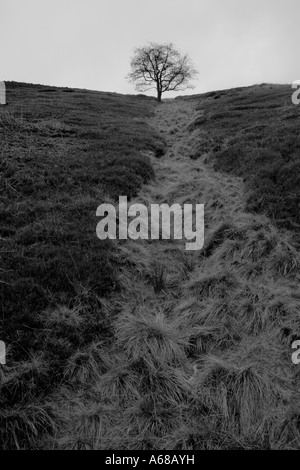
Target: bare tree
x=162 y=67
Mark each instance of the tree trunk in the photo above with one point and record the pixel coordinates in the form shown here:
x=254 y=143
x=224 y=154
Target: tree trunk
x=159 y=93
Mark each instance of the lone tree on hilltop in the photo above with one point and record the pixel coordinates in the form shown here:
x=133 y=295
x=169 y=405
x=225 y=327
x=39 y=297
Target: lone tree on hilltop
x=162 y=67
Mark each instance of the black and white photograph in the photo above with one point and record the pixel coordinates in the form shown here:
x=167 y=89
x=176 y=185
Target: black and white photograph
x=149 y=228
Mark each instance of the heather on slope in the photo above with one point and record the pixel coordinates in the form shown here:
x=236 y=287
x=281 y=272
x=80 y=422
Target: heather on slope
x=253 y=132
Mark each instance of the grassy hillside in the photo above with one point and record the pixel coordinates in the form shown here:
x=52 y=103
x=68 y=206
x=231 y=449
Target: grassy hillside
x=63 y=153
x=140 y=344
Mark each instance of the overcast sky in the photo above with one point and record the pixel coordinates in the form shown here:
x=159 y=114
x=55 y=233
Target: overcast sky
x=89 y=43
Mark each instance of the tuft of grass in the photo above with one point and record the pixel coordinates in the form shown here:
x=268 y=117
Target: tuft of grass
x=21 y=426
x=217 y=284
x=158 y=276
x=87 y=427
x=150 y=335
x=87 y=366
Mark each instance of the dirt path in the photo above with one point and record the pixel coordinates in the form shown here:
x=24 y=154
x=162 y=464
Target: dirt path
x=183 y=180
x=180 y=178
x=245 y=250
x=165 y=265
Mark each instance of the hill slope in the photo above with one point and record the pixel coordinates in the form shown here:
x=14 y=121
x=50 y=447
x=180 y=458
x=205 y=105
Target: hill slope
x=197 y=349
x=63 y=152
